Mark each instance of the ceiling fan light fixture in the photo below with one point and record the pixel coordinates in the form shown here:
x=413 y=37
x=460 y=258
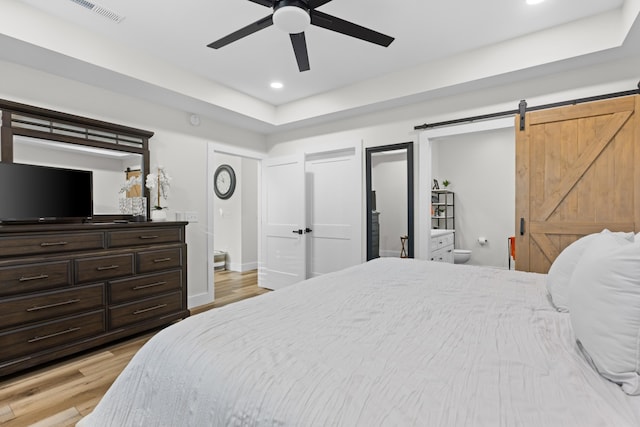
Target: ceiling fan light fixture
x=291 y=19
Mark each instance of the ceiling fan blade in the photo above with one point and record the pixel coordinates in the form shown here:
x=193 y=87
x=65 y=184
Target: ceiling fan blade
x=299 y=44
x=267 y=3
x=349 y=28
x=243 y=32
x=317 y=3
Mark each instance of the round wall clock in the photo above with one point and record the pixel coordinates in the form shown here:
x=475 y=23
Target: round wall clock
x=224 y=181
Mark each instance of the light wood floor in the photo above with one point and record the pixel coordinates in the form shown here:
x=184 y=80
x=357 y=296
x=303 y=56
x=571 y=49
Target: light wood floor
x=62 y=393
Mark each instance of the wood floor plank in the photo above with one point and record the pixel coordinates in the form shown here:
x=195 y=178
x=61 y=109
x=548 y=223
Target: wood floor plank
x=43 y=376
x=60 y=394
x=6 y=413
x=112 y=366
x=57 y=398
x=65 y=418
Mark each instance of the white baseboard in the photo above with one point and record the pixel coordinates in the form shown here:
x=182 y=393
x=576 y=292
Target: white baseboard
x=241 y=268
x=198 y=300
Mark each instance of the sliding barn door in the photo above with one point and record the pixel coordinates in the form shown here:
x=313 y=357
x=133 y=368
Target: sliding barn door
x=577 y=172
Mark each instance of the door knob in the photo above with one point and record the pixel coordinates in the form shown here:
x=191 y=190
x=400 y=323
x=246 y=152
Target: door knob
x=308 y=230
x=299 y=231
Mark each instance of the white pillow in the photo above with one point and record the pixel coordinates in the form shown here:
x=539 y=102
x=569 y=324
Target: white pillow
x=604 y=303
x=562 y=268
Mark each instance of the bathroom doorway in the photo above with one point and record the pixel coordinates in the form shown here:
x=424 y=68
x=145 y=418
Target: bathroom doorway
x=479 y=161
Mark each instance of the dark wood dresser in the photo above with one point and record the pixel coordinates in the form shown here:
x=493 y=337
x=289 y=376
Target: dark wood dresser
x=69 y=287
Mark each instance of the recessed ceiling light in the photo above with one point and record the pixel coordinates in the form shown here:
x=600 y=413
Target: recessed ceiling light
x=534 y=1
x=276 y=85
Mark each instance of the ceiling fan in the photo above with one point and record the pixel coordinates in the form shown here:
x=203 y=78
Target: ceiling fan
x=293 y=17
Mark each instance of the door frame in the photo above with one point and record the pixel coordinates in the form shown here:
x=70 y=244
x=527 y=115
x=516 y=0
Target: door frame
x=213 y=148
x=410 y=204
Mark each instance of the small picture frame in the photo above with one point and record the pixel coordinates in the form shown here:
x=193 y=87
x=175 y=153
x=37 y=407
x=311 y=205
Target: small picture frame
x=436 y=186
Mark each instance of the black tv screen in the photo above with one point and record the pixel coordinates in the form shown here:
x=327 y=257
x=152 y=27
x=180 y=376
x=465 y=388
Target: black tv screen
x=41 y=193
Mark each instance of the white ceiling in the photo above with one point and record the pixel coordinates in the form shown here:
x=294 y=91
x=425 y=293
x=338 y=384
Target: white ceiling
x=158 y=51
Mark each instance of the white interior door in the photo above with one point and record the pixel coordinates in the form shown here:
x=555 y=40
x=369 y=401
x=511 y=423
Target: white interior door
x=283 y=223
x=334 y=210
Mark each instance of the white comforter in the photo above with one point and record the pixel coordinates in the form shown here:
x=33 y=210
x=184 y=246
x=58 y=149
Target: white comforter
x=391 y=342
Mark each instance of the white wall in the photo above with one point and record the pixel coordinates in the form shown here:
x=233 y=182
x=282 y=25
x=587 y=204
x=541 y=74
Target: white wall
x=249 y=214
x=481 y=169
x=182 y=148
x=177 y=145
x=236 y=218
x=389 y=180
x=397 y=125
x=227 y=225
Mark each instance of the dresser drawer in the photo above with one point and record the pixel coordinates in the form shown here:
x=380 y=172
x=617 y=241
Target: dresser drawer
x=163 y=259
x=142 y=236
x=144 y=286
x=104 y=267
x=140 y=311
x=50 y=243
x=43 y=336
x=444 y=254
x=48 y=305
x=23 y=278
x=441 y=241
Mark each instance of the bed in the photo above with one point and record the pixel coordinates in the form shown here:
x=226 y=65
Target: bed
x=393 y=342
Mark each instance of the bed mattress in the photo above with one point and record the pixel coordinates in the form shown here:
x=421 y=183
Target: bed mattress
x=390 y=342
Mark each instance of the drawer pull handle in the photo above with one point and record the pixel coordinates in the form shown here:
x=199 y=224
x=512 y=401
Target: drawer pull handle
x=38 y=277
x=45 y=244
x=150 y=285
x=57 y=304
x=108 y=267
x=56 y=334
x=144 y=310
x=162 y=259
x=149 y=237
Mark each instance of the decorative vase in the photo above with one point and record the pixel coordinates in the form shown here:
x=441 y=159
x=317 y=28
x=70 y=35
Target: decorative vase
x=158 y=215
x=139 y=208
x=125 y=205
x=134 y=206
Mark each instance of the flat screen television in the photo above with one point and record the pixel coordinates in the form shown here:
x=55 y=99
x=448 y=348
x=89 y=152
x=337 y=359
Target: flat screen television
x=31 y=193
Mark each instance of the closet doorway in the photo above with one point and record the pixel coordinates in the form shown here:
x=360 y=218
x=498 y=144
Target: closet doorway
x=390 y=214
x=233 y=219
x=311 y=215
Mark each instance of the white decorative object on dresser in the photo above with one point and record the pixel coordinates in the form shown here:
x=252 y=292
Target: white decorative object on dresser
x=441 y=246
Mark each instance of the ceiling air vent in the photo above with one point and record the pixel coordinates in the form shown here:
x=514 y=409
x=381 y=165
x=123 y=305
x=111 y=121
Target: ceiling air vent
x=102 y=11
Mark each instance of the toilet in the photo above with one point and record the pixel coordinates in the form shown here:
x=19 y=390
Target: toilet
x=460 y=256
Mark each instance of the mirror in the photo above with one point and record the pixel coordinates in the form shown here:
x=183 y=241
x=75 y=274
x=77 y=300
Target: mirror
x=390 y=222
x=109 y=166
x=113 y=152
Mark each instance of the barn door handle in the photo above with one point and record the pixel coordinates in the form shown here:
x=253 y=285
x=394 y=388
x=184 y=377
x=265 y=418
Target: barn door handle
x=522 y=226
x=298 y=231
x=308 y=230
